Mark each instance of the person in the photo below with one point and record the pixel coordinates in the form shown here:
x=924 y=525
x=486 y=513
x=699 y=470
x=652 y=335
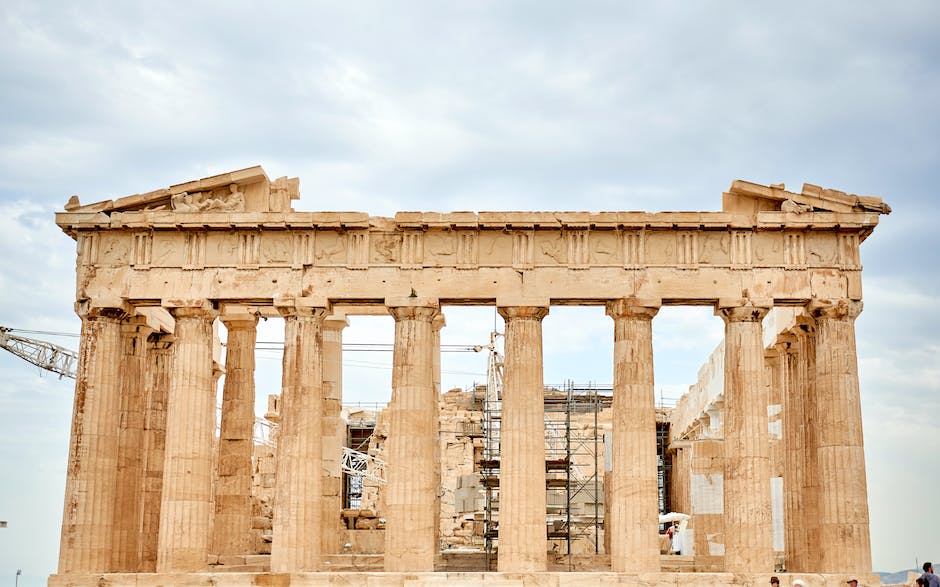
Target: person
x=799 y=583
x=928 y=576
x=775 y=581
x=853 y=582
x=675 y=538
x=921 y=582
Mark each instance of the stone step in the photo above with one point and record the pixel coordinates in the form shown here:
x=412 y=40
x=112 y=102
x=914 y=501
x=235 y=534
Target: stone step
x=352 y=562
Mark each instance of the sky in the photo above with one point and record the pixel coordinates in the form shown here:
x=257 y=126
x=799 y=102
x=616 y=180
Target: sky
x=380 y=107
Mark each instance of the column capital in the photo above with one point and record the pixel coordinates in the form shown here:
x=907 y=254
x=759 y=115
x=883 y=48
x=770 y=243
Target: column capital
x=834 y=309
x=291 y=306
x=787 y=342
x=160 y=342
x=438 y=322
x=422 y=313
x=413 y=308
x=637 y=308
x=190 y=308
x=523 y=312
x=112 y=309
x=239 y=321
x=743 y=310
x=335 y=322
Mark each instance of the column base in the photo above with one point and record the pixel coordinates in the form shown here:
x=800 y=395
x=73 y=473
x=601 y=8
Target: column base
x=381 y=579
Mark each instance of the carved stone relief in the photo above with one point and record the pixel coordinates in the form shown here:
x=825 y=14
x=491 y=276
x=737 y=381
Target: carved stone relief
x=330 y=248
x=227 y=200
x=440 y=248
x=550 y=249
x=275 y=248
x=604 y=248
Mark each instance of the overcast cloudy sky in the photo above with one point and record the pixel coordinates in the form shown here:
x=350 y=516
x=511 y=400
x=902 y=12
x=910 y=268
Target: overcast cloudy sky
x=384 y=106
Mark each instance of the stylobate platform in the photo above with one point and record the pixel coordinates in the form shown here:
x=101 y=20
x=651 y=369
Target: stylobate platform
x=550 y=579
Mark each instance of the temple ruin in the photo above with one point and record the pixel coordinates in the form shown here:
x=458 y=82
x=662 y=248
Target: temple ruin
x=765 y=452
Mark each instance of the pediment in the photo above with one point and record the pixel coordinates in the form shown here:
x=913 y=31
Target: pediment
x=244 y=190
x=744 y=197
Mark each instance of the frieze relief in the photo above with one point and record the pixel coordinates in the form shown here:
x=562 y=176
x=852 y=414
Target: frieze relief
x=440 y=249
x=275 y=248
x=330 y=248
x=387 y=248
x=113 y=248
x=551 y=248
x=468 y=249
x=604 y=248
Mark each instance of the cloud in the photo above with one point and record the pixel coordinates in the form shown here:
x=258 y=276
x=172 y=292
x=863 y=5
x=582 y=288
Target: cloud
x=485 y=105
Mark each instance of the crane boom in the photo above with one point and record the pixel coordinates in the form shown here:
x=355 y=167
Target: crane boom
x=40 y=353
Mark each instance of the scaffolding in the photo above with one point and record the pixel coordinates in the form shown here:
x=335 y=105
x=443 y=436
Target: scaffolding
x=573 y=483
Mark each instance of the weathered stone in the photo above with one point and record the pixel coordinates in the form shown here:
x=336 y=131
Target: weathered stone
x=148 y=490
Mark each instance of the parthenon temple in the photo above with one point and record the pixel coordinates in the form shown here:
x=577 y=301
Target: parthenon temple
x=763 y=457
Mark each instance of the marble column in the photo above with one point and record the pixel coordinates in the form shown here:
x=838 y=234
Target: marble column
x=748 y=528
x=522 y=519
x=232 y=523
x=160 y=351
x=127 y=513
x=806 y=334
x=794 y=532
x=186 y=503
x=334 y=434
x=436 y=325
x=633 y=512
x=91 y=477
x=843 y=498
x=297 y=508
x=411 y=495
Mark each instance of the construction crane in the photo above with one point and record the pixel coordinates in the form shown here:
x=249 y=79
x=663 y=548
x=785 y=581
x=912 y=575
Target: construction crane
x=43 y=354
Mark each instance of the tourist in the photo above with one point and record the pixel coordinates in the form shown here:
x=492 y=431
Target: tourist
x=775 y=581
x=921 y=582
x=799 y=583
x=675 y=539
x=928 y=576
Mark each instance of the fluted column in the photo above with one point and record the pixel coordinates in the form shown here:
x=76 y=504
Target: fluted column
x=160 y=351
x=334 y=433
x=91 y=477
x=843 y=496
x=232 y=523
x=186 y=504
x=436 y=325
x=522 y=527
x=297 y=506
x=747 y=503
x=806 y=334
x=633 y=519
x=127 y=513
x=411 y=495
x=793 y=419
